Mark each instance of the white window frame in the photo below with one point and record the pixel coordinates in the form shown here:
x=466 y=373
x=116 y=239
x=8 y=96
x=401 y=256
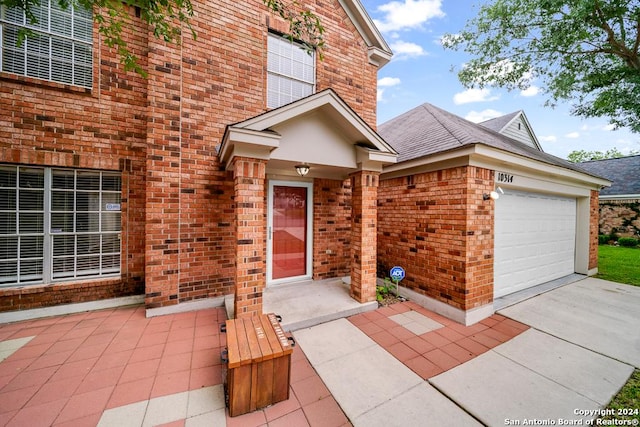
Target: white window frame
x=105 y=211
x=41 y=59
x=291 y=71
x=1 y=48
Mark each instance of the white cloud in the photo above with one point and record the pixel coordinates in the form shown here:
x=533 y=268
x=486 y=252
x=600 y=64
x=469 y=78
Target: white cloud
x=609 y=127
x=388 y=81
x=530 y=91
x=481 y=116
x=626 y=145
x=548 y=138
x=384 y=83
x=473 y=95
x=572 y=135
x=404 y=50
x=408 y=14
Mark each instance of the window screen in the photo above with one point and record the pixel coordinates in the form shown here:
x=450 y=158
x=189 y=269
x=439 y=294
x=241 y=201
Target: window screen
x=58 y=224
x=290 y=72
x=21 y=225
x=58 y=47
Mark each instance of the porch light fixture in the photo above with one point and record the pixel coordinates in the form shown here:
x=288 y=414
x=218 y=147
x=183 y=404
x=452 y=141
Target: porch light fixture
x=494 y=195
x=303 y=169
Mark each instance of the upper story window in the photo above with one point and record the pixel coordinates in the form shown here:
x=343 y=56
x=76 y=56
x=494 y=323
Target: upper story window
x=58 y=47
x=291 y=72
x=58 y=225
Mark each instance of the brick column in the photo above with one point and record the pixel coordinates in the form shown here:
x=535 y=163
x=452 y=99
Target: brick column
x=250 y=217
x=364 y=225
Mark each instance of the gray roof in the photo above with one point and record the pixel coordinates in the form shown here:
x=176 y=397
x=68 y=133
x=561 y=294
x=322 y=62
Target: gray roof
x=623 y=171
x=498 y=123
x=427 y=130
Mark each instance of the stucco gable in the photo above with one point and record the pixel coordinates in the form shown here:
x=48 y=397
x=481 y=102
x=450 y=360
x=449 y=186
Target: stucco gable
x=320 y=129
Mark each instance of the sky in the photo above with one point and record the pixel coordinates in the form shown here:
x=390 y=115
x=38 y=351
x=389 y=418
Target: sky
x=421 y=72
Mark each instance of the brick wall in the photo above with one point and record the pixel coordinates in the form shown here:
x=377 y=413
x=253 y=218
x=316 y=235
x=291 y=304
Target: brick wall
x=218 y=84
x=163 y=133
x=345 y=67
x=439 y=229
x=67 y=293
x=51 y=124
x=331 y=228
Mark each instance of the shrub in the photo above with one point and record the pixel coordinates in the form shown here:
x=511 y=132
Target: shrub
x=603 y=239
x=628 y=242
x=613 y=236
x=382 y=291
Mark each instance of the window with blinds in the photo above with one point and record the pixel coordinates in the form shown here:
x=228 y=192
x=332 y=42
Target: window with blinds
x=291 y=72
x=58 y=224
x=57 y=48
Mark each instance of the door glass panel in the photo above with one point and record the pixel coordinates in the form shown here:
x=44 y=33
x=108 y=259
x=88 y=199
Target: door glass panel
x=289 y=232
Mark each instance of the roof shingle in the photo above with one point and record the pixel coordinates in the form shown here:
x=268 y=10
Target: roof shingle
x=624 y=172
x=427 y=130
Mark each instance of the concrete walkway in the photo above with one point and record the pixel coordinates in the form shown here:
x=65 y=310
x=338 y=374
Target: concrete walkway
x=534 y=376
x=582 y=348
x=372 y=387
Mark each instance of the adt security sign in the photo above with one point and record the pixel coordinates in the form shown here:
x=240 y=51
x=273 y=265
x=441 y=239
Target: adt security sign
x=397 y=274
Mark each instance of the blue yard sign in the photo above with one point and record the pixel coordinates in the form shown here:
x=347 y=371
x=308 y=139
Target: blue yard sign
x=397 y=273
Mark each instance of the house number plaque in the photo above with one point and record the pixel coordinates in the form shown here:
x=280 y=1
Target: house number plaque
x=504 y=177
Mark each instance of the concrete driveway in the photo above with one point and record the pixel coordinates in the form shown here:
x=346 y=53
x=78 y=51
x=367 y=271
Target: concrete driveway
x=582 y=348
x=595 y=314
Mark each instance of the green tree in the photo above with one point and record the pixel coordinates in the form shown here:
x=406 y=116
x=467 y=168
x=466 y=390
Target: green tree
x=579 y=156
x=583 y=51
x=167 y=18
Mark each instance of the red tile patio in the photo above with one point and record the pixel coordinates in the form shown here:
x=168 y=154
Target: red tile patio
x=78 y=366
x=439 y=350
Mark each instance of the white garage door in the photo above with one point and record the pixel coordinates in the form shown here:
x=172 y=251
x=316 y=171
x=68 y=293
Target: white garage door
x=535 y=238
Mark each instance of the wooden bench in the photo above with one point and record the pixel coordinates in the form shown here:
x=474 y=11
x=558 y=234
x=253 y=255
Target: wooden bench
x=259 y=363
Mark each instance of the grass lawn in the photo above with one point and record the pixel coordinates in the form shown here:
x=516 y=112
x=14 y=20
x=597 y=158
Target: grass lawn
x=622 y=265
x=619 y=264
x=626 y=404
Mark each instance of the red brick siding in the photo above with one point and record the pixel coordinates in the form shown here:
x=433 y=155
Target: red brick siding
x=331 y=228
x=51 y=124
x=345 y=67
x=479 y=238
x=67 y=293
x=438 y=228
x=249 y=186
x=163 y=133
x=364 y=187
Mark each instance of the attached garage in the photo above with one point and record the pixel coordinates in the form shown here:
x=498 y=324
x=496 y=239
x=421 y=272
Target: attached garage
x=534 y=241
x=462 y=248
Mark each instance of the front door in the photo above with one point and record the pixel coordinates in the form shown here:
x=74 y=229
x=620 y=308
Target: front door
x=289 y=231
